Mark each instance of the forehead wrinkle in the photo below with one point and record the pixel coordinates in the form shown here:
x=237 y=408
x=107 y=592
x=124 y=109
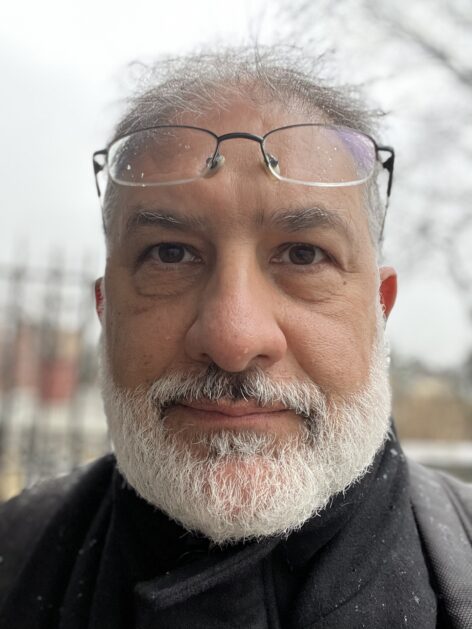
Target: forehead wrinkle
x=310 y=217
x=259 y=218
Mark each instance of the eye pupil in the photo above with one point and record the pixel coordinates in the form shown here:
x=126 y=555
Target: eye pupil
x=302 y=254
x=171 y=253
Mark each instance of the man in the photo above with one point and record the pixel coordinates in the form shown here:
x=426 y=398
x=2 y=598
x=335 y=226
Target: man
x=258 y=481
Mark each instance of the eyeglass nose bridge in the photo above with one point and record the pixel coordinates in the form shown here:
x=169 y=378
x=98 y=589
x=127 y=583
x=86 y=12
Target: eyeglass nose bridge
x=216 y=161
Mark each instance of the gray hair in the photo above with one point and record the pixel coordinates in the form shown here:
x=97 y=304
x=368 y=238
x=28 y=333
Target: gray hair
x=201 y=83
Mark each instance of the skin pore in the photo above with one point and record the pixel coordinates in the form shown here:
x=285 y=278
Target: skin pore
x=240 y=271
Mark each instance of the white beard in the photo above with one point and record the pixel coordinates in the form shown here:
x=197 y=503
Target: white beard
x=274 y=485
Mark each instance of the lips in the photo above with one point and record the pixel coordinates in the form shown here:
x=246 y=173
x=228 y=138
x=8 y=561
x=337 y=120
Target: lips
x=237 y=409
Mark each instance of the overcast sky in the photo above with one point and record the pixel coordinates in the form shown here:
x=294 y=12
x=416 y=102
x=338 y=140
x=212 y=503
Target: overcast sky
x=63 y=73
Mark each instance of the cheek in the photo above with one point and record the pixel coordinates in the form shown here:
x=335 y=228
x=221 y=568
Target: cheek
x=143 y=342
x=334 y=350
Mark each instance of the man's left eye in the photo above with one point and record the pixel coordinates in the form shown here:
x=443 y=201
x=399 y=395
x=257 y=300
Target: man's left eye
x=301 y=254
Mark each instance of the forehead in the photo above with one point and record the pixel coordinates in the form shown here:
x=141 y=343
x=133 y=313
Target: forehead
x=256 y=115
x=242 y=191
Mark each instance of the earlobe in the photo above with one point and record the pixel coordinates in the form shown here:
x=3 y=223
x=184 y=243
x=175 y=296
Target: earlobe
x=99 y=298
x=388 y=288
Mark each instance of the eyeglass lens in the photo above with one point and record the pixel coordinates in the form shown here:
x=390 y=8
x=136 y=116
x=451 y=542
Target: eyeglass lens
x=321 y=154
x=161 y=155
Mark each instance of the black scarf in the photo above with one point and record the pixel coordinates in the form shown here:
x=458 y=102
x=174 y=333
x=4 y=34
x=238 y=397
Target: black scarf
x=110 y=561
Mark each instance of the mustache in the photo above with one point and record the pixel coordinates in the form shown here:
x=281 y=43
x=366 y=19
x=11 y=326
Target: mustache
x=213 y=384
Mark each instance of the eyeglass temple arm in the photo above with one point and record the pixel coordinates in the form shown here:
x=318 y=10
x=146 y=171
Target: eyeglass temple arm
x=388 y=164
x=99 y=165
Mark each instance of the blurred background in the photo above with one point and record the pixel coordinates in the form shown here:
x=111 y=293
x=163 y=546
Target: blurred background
x=65 y=70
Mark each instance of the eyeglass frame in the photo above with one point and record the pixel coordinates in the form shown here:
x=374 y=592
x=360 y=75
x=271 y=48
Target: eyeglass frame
x=388 y=163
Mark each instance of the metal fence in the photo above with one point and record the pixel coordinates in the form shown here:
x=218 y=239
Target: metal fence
x=51 y=415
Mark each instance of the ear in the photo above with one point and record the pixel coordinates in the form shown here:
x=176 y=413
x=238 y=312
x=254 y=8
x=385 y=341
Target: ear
x=99 y=298
x=388 y=288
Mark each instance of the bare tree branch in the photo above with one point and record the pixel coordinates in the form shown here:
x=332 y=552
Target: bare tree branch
x=400 y=27
x=459 y=17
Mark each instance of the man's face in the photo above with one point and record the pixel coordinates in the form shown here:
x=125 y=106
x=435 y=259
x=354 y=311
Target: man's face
x=241 y=271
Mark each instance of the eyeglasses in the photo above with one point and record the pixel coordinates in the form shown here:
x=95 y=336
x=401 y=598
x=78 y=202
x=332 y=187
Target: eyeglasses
x=317 y=155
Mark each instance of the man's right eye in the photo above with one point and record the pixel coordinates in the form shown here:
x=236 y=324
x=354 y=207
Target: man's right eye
x=171 y=253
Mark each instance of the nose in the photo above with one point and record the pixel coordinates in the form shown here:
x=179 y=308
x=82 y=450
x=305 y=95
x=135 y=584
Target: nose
x=236 y=325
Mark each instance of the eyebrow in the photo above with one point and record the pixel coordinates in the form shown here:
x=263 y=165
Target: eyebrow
x=310 y=218
x=166 y=219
